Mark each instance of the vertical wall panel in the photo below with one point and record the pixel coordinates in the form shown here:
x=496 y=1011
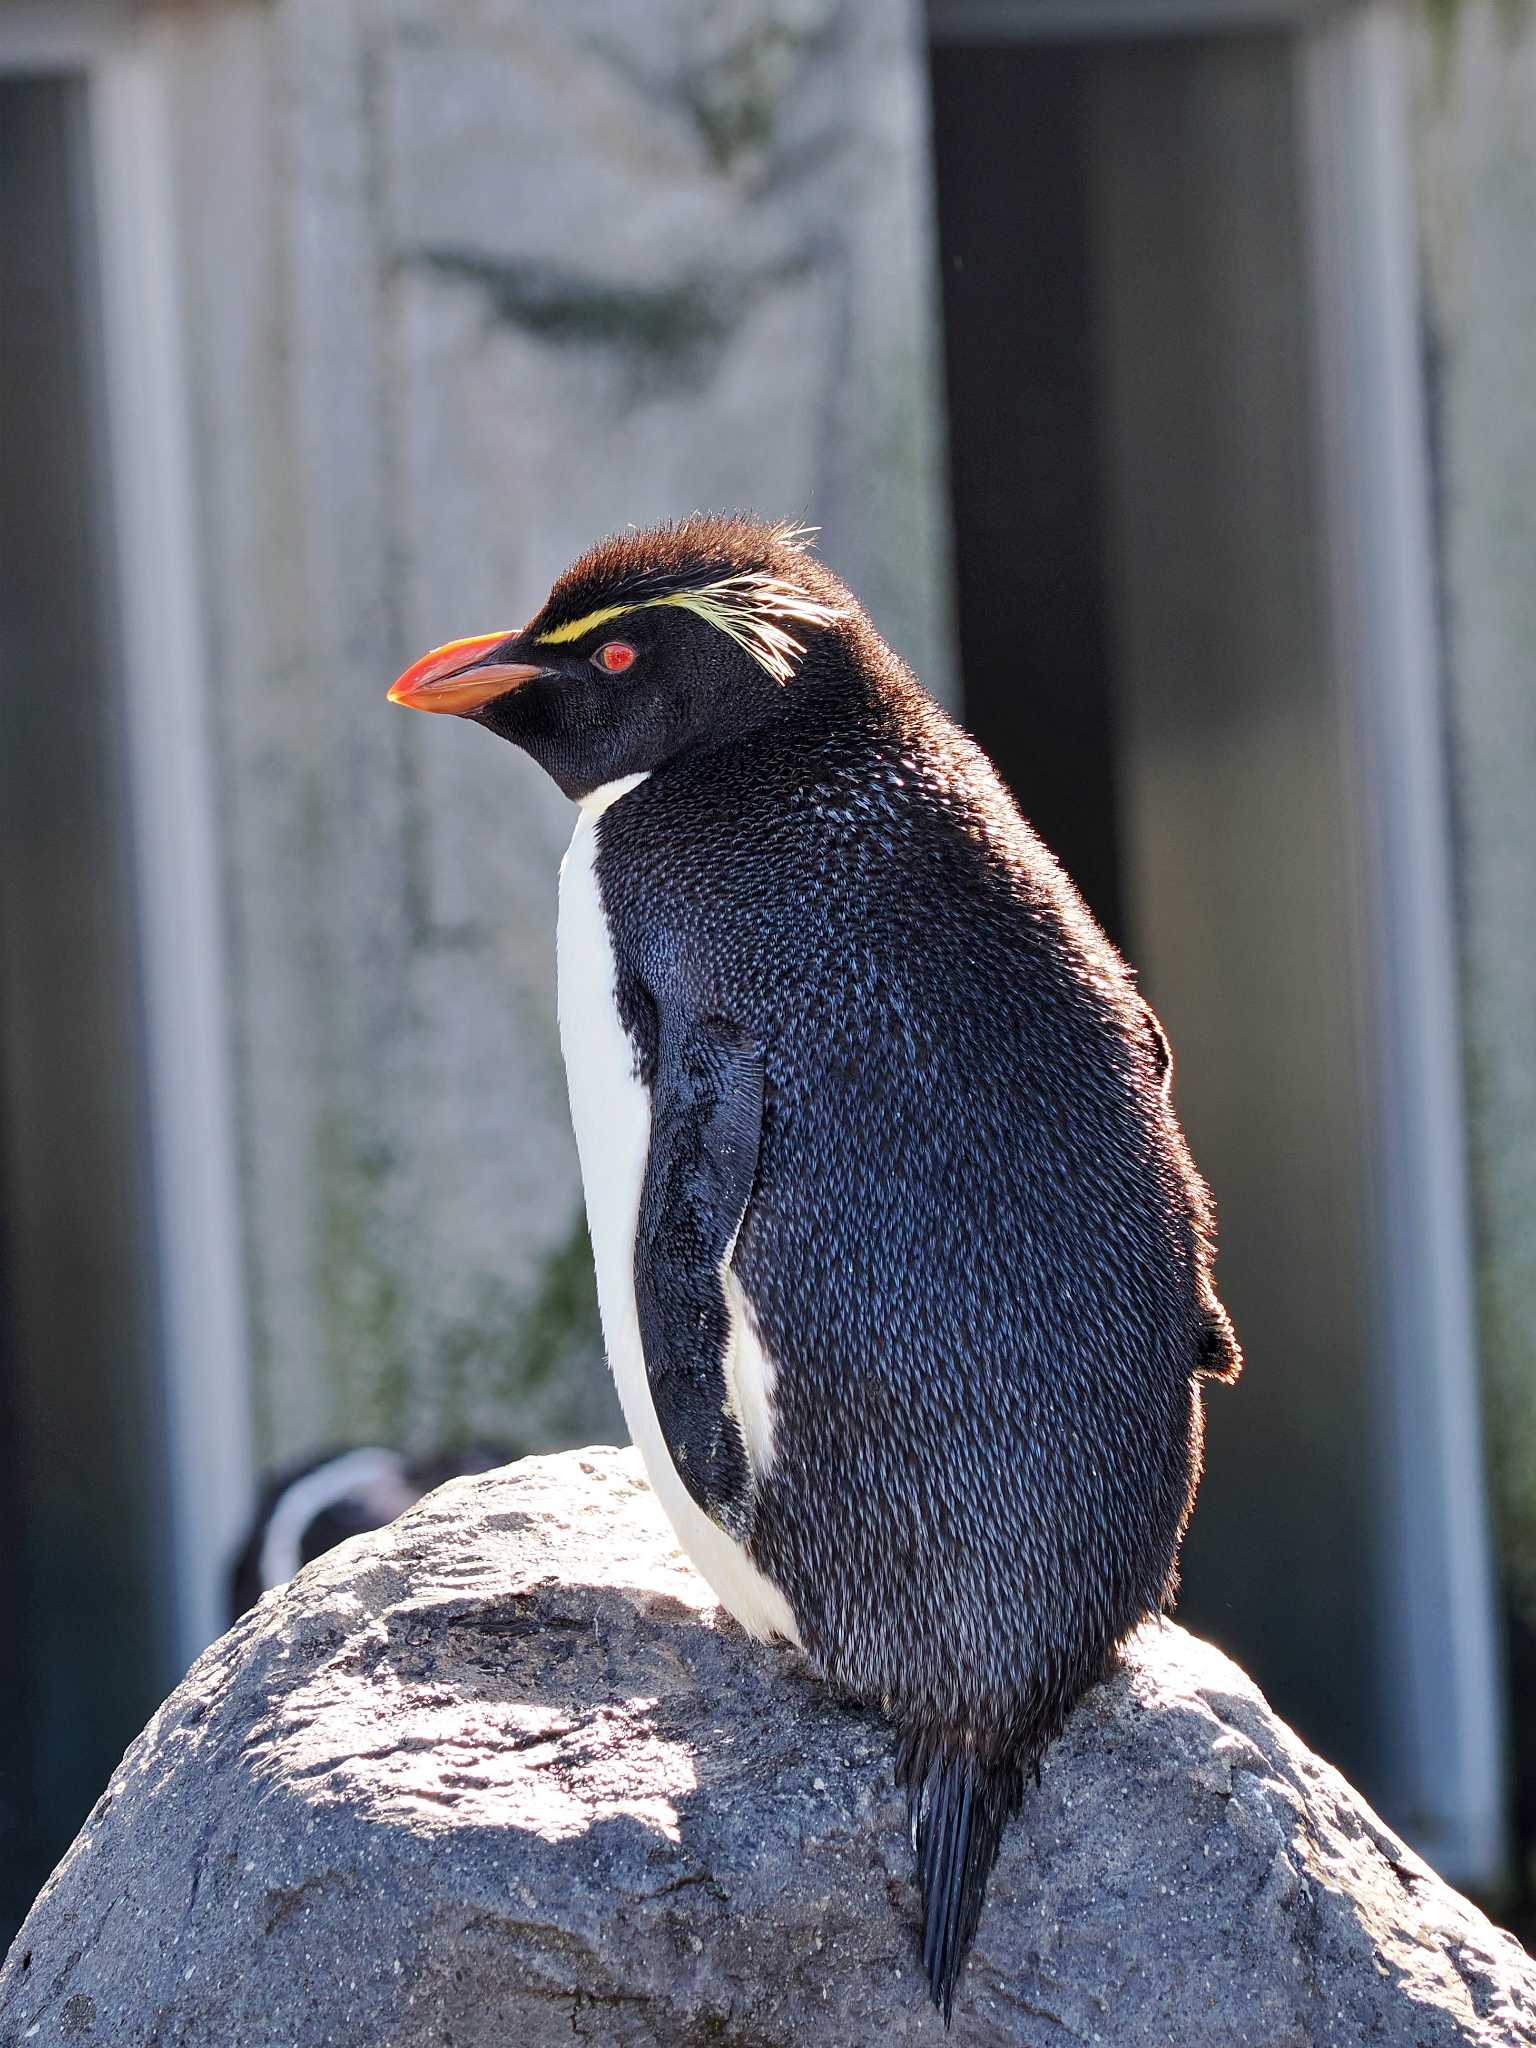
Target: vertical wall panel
x=81 y=1395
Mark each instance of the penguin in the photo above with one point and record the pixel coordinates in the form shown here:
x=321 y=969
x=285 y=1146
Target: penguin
x=308 y=1507
x=904 y=1267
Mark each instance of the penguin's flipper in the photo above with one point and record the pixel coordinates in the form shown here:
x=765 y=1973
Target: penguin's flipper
x=706 y=1122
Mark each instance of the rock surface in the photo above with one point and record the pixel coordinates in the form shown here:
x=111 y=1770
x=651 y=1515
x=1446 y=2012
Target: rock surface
x=502 y=1773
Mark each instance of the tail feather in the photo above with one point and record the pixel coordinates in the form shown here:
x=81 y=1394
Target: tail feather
x=958 y=1804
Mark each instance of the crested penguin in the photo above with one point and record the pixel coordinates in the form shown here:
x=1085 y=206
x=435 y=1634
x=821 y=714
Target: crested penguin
x=905 y=1270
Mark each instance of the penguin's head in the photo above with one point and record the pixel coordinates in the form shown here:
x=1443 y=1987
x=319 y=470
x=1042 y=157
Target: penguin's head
x=651 y=644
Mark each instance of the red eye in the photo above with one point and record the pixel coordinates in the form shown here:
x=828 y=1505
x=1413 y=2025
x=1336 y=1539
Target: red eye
x=613 y=657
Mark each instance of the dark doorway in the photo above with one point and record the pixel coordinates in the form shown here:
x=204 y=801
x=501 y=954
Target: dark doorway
x=82 y=1585
x=1010 y=130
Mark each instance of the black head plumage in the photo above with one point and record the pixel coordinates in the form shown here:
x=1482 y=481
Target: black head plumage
x=645 y=564
x=653 y=644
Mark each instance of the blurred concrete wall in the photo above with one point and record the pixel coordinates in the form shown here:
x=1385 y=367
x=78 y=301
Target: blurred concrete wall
x=1477 y=161
x=469 y=283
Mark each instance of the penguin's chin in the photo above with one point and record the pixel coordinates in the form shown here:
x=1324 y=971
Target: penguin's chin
x=576 y=741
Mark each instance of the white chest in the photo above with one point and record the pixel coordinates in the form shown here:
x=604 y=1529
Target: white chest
x=611 y=1112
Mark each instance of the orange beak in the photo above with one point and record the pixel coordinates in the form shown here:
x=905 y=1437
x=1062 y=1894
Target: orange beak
x=458 y=677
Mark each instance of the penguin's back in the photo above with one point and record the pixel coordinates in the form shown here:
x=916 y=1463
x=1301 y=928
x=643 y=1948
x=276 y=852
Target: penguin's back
x=976 y=1250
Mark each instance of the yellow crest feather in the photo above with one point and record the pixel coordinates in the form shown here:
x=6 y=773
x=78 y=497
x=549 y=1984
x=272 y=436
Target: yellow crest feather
x=754 y=609
x=558 y=635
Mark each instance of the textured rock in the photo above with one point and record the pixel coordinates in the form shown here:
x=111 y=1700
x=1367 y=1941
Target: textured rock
x=502 y=1774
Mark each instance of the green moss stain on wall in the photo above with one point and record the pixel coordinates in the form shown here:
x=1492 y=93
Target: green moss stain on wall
x=525 y=1366
x=357 y=1285
x=1447 y=18
x=734 y=97
x=560 y=1325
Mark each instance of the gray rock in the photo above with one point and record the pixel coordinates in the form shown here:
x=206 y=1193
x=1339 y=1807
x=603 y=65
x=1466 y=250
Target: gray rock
x=502 y=1773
